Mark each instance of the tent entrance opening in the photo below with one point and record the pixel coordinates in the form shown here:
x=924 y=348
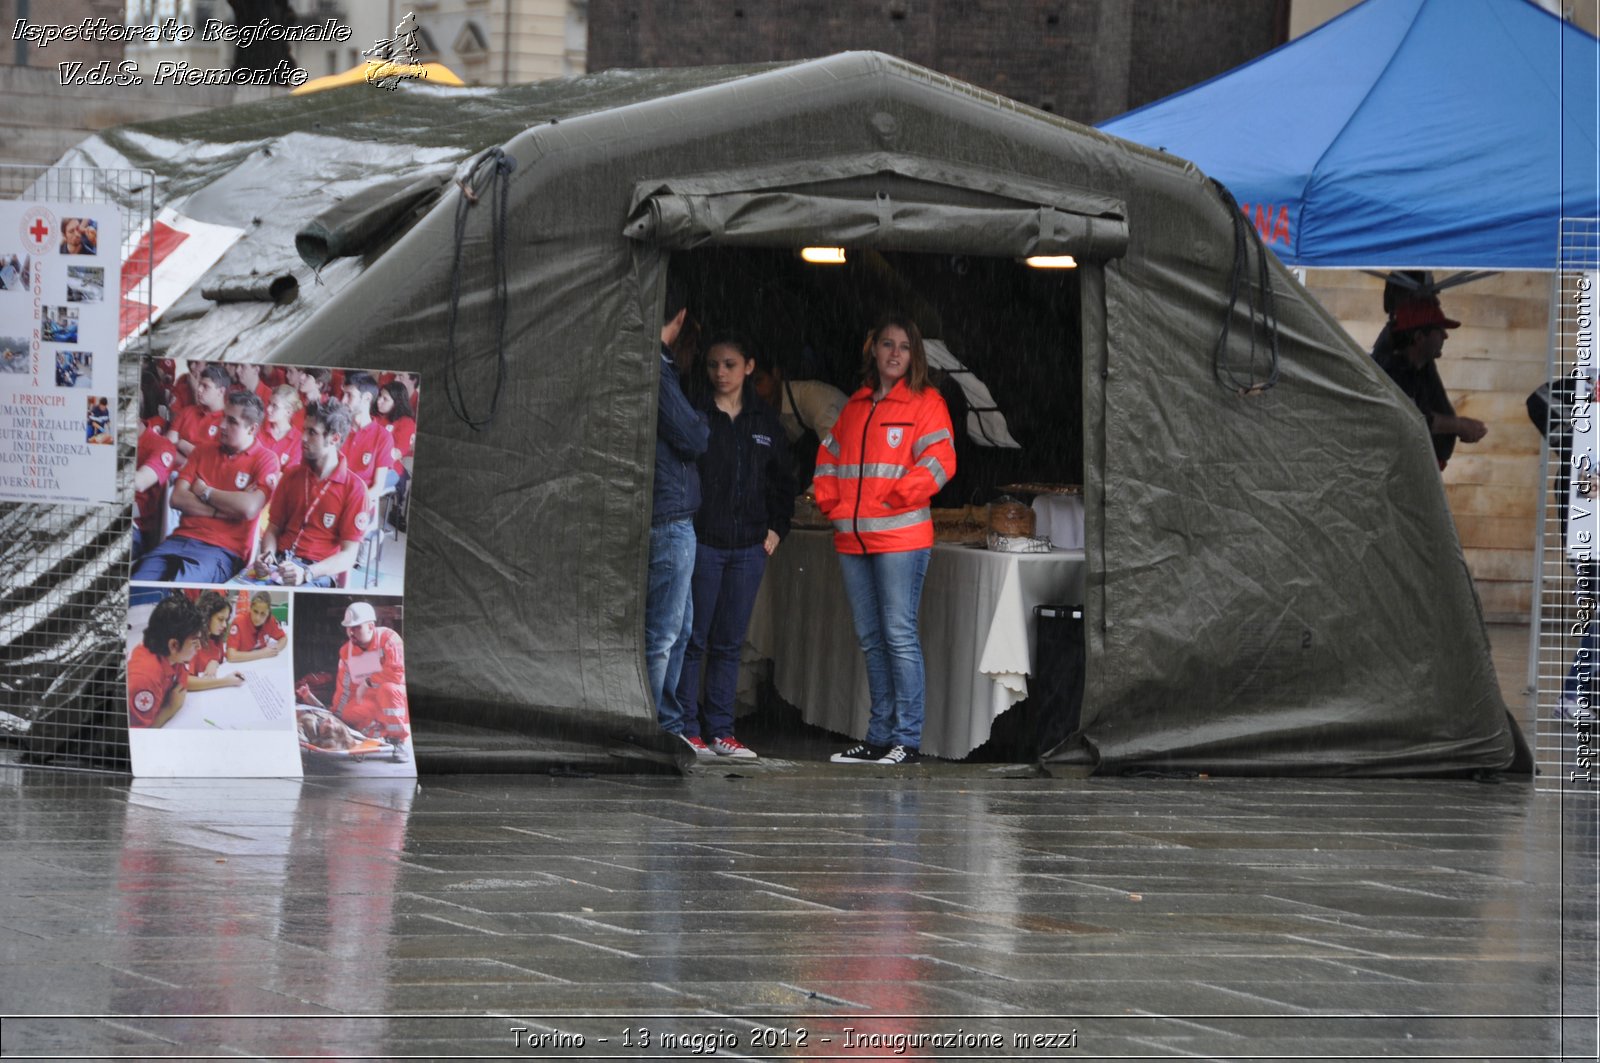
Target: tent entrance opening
x=1015 y=328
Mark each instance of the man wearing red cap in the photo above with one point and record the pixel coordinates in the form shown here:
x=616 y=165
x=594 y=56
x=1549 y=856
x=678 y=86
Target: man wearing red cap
x=1417 y=334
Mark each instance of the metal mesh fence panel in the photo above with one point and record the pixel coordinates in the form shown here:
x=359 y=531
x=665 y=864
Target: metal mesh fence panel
x=1568 y=638
x=64 y=568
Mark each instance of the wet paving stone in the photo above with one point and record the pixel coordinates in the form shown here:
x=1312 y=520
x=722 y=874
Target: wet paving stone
x=1211 y=919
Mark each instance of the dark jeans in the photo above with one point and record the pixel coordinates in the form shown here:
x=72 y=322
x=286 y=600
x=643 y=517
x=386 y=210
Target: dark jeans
x=183 y=560
x=724 y=591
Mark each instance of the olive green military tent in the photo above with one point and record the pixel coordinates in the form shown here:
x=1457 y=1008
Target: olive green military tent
x=1274 y=581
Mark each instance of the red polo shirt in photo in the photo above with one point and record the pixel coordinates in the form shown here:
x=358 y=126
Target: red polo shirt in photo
x=404 y=434
x=211 y=652
x=369 y=449
x=255 y=468
x=196 y=425
x=150 y=680
x=182 y=393
x=244 y=636
x=314 y=516
x=287 y=449
x=157 y=453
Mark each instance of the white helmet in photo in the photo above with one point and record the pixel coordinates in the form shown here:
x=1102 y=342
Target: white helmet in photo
x=359 y=613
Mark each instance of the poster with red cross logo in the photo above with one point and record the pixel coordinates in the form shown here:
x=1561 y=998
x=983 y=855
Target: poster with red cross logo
x=58 y=351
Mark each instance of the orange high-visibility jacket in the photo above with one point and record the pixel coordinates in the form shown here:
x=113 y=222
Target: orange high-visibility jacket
x=879 y=468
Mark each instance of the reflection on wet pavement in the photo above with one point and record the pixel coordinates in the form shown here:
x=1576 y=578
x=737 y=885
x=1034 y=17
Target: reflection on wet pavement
x=844 y=913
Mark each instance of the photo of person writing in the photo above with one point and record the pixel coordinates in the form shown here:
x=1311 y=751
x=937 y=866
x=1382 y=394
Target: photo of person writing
x=747 y=501
x=216 y=615
x=888 y=454
x=233 y=679
x=158 y=676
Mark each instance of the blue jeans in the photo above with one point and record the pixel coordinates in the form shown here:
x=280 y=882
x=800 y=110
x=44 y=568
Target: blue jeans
x=183 y=560
x=885 y=591
x=667 y=616
x=725 y=585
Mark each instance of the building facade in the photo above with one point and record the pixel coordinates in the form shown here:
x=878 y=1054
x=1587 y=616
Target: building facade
x=1087 y=60
x=485 y=42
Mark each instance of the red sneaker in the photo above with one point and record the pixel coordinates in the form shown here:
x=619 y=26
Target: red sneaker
x=698 y=744
x=729 y=746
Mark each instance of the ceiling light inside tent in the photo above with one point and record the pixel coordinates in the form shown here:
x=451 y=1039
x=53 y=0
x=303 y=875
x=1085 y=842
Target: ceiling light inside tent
x=1052 y=261
x=823 y=256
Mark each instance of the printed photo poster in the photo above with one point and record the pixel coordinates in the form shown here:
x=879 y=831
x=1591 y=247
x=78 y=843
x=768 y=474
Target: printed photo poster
x=269 y=559
x=58 y=351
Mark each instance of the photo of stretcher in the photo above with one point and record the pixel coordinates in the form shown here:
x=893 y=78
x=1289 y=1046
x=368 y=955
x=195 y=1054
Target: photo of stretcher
x=322 y=734
x=350 y=706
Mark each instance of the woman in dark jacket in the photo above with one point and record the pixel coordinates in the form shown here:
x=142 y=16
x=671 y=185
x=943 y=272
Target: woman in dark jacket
x=747 y=501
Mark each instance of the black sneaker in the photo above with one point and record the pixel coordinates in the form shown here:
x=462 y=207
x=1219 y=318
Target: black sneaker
x=900 y=755
x=859 y=754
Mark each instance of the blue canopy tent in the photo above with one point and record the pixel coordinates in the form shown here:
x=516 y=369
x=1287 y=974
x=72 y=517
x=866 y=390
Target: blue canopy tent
x=1403 y=134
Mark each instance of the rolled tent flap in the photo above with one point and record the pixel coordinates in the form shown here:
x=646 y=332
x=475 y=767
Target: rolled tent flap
x=367 y=218
x=277 y=286
x=903 y=207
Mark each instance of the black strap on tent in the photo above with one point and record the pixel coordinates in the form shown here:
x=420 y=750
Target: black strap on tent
x=1245 y=379
x=492 y=164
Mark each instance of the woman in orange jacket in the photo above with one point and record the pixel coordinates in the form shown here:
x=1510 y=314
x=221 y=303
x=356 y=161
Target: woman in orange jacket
x=888 y=454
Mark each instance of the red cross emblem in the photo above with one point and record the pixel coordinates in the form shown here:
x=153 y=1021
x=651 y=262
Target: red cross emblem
x=37 y=224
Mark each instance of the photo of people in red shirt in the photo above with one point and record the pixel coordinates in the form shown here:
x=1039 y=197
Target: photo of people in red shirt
x=271 y=502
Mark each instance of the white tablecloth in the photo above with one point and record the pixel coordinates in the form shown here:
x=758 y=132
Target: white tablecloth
x=977 y=635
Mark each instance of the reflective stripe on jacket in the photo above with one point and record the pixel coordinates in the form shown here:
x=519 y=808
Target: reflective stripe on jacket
x=881 y=466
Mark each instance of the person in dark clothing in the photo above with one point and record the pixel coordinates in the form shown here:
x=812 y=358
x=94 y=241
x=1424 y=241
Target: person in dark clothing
x=681 y=436
x=1417 y=333
x=747 y=502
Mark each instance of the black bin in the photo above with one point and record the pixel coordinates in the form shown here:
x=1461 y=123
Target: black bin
x=1056 y=688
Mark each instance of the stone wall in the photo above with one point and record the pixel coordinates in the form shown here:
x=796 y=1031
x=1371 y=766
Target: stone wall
x=1489 y=366
x=1087 y=60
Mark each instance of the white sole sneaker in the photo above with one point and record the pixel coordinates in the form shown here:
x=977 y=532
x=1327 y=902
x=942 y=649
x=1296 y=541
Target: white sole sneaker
x=738 y=751
x=859 y=754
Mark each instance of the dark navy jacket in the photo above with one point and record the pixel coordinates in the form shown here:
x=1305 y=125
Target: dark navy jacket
x=681 y=437
x=745 y=476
